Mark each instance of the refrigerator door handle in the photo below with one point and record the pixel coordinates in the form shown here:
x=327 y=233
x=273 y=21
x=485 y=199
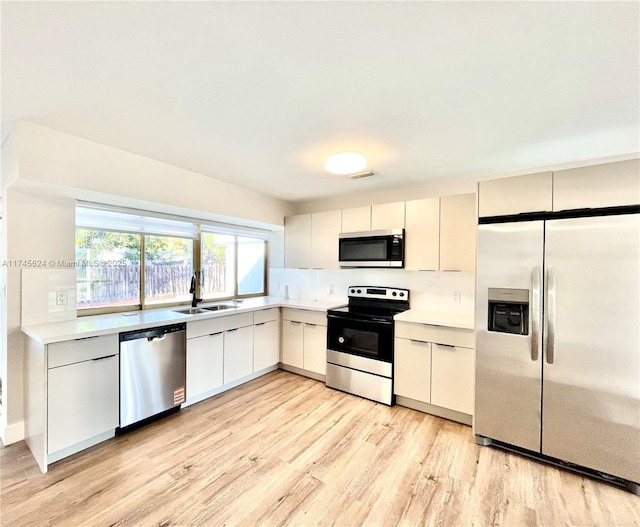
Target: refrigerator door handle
x=536 y=276
x=551 y=315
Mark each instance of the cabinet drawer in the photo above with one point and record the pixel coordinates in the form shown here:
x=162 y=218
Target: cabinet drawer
x=218 y=324
x=318 y=318
x=438 y=334
x=71 y=351
x=266 y=315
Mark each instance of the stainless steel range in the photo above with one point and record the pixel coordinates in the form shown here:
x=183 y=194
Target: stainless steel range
x=360 y=342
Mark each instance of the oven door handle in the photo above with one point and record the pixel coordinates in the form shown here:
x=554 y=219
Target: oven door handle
x=373 y=320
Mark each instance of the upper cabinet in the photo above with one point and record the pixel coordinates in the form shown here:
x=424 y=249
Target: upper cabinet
x=514 y=195
x=387 y=216
x=607 y=185
x=325 y=228
x=357 y=219
x=422 y=230
x=458 y=232
x=297 y=241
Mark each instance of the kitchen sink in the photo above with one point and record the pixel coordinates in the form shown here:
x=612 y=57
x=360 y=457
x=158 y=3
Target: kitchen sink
x=190 y=311
x=218 y=308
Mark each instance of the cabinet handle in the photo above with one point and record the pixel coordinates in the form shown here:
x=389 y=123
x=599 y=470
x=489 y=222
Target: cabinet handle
x=450 y=346
x=418 y=341
x=103 y=358
x=232 y=330
x=308 y=324
x=217 y=333
x=295 y=322
x=260 y=324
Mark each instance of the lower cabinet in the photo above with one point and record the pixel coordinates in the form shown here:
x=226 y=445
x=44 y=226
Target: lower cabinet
x=238 y=353
x=304 y=340
x=412 y=369
x=82 y=392
x=266 y=338
x=435 y=365
x=204 y=364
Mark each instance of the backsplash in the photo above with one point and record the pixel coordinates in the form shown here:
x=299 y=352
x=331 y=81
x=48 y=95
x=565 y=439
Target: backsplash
x=48 y=295
x=430 y=290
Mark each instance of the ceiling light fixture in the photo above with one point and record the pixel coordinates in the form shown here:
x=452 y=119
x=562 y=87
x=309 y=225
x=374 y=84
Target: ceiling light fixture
x=345 y=163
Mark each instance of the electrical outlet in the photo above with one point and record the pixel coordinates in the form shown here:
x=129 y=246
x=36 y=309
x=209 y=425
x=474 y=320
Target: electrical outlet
x=61 y=298
x=456 y=297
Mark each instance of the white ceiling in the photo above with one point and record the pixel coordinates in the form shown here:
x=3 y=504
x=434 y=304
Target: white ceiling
x=260 y=93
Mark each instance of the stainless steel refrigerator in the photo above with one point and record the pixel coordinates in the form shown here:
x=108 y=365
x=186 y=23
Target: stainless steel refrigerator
x=558 y=340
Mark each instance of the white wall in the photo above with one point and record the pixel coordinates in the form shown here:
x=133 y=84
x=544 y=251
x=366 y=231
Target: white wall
x=56 y=159
x=41 y=230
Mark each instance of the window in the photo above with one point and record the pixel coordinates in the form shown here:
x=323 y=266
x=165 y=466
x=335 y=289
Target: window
x=127 y=260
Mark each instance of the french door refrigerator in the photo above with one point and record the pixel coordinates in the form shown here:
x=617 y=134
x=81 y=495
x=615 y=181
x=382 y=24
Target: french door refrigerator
x=558 y=341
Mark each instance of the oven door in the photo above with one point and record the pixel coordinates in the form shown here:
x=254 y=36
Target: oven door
x=371 y=338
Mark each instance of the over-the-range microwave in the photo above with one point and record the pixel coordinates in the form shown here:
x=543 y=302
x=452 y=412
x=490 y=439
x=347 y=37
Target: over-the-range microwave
x=383 y=248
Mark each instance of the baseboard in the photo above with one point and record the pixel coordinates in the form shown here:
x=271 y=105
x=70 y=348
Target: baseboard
x=12 y=433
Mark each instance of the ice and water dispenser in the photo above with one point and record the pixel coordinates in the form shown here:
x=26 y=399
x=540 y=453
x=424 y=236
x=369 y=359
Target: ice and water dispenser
x=509 y=311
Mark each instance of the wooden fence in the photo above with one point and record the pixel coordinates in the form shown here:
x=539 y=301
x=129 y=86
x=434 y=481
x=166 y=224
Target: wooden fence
x=120 y=285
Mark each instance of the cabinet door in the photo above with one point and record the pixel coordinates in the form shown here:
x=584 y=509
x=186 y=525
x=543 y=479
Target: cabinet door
x=607 y=185
x=204 y=364
x=266 y=345
x=515 y=195
x=83 y=401
x=238 y=353
x=412 y=369
x=292 y=343
x=315 y=348
x=357 y=219
x=387 y=216
x=458 y=233
x=297 y=241
x=325 y=228
x=422 y=229
x=452 y=377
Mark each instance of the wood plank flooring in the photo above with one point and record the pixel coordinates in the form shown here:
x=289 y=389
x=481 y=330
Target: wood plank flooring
x=286 y=450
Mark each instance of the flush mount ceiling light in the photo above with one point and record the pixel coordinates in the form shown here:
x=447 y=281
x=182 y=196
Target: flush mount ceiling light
x=345 y=163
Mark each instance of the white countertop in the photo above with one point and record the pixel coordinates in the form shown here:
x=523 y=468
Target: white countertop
x=435 y=318
x=92 y=326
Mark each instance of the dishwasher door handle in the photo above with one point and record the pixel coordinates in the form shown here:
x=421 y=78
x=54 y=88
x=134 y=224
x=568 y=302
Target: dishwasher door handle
x=157 y=339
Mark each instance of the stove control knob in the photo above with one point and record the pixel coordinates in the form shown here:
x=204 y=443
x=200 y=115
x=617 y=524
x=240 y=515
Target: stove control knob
x=353 y=290
x=341 y=339
x=359 y=291
x=394 y=294
x=401 y=294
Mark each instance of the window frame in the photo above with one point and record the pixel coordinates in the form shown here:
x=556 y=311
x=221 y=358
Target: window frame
x=197 y=267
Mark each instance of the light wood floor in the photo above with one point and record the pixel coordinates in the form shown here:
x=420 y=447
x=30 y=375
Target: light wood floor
x=286 y=450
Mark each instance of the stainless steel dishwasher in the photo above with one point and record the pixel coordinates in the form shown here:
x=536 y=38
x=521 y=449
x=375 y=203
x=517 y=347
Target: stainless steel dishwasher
x=152 y=372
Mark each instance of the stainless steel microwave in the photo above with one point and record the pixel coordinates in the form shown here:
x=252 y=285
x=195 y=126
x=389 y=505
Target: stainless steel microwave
x=372 y=248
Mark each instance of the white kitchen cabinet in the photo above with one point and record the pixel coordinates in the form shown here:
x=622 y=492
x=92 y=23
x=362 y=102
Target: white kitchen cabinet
x=515 y=195
x=304 y=340
x=314 y=354
x=435 y=367
x=266 y=339
x=297 y=241
x=412 y=369
x=204 y=364
x=357 y=219
x=292 y=343
x=82 y=392
x=458 y=232
x=388 y=216
x=606 y=185
x=452 y=377
x=238 y=353
x=422 y=230
x=325 y=229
